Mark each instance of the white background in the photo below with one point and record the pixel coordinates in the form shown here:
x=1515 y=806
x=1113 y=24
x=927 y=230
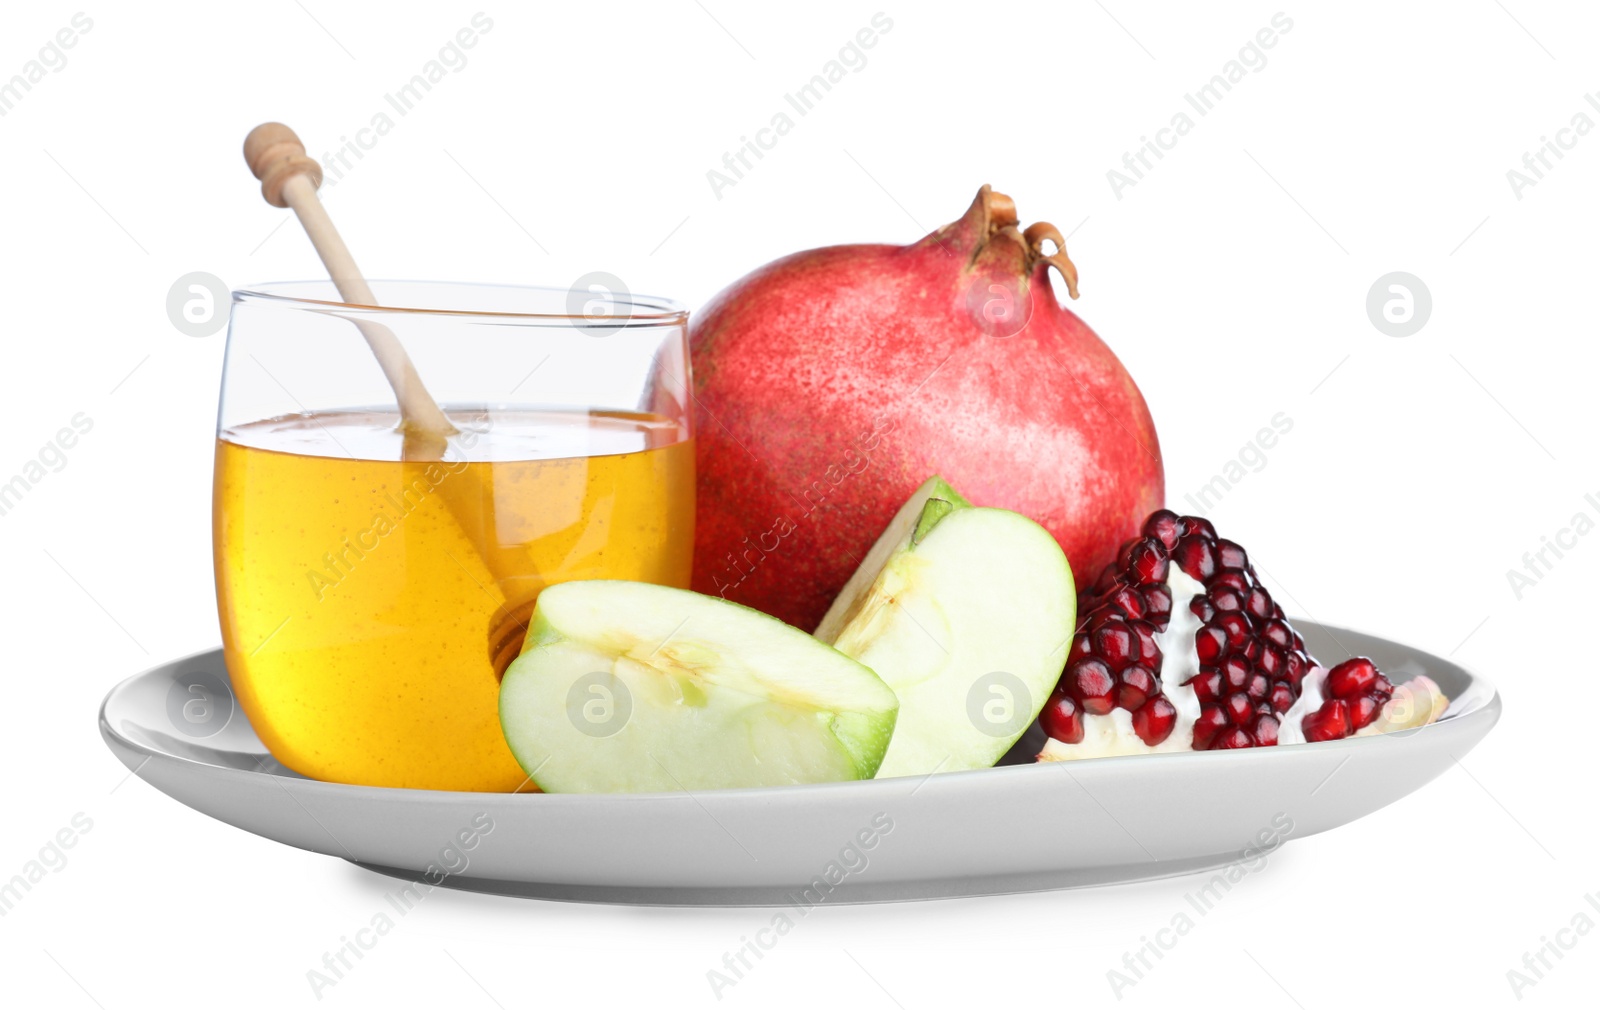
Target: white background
x=1232 y=280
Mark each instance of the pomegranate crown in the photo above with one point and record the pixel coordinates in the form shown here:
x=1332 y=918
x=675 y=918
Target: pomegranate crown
x=992 y=218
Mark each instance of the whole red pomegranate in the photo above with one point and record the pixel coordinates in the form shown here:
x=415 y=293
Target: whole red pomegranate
x=830 y=383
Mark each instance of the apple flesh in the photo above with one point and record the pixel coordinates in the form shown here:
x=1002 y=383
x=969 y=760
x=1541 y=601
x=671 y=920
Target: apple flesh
x=967 y=613
x=631 y=687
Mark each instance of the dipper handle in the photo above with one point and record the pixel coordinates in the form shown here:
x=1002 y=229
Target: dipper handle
x=290 y=179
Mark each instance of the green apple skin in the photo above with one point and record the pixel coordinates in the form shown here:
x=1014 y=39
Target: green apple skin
x=967 y=613
x=632 y=687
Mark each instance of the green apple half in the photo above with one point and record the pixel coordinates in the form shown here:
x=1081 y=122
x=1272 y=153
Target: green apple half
x=967 y=613
x=631 y=687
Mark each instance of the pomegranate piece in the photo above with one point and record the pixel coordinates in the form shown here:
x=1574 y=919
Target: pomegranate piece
x=1181 y=636
x=1249 y=661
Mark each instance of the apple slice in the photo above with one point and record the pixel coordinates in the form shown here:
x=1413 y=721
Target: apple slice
x=632 y=687
x=967 y=613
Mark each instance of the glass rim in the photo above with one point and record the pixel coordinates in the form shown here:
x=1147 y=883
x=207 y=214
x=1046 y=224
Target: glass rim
x=637 y=309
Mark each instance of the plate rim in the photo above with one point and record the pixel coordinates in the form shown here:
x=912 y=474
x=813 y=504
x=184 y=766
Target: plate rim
x=1490 y=709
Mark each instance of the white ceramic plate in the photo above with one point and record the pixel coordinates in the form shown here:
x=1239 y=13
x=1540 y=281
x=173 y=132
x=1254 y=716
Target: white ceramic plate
x=1019 y=827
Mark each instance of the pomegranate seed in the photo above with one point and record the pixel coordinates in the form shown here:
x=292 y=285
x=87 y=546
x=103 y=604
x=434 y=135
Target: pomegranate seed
x=1230 y=556
x=1259 y=605
x=1271 y=661
x=1114 y=644
x=1227 y=601
x=1163 y=526
x=1108 y=578
x=1277 y=632
x=1081 y=646
x=1236 y=627
x=1202 y=608
x=1196 y=558
x=1266 y=731
x=1363 y=710
x=1128 y=600
x=1061 y=720
x=1236 y=671
x=1199 y=527
x=1148 y=561
x=1281 y=699
x=1238 y=581
x=1149 y=651
x=1138 y=686
x=1330 y=722
x=1235 y=739
x=1295 y=666
x=1207 y=685
x=1258 y=687
x=1109 y=614
x=1239 y=709
x=1091 y=684
x=1157 y=604
x=1154 y=720
x=1210 y=642
x=1352 y=677
x=1212 y=721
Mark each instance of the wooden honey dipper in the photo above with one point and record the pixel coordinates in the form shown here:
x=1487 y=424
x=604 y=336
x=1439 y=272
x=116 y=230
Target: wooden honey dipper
x=289 y=178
